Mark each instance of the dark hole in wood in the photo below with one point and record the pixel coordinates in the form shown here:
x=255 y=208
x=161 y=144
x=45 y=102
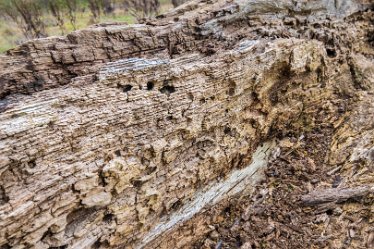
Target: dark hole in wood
x=337 y=180
x=47 y=234
x=59 y=247
x=150 y=170
x=331 y=52
x=108 y=218
x=198 y=29
x=329 y=212
x=227 y=130
x=127 y=88
x=167 y=89
x=317 y=25
x=3 y=197
x=150 y=85
x=51 y=123
x=100 y=244
x=137 y=183
x=38 y=85
x=371 y=38
x=232 y=87
x=239 y=241
x=176 y=205
x=253 y=123
x=32 y=164
x=102 y=181
x=117 y=153
x=97 y=244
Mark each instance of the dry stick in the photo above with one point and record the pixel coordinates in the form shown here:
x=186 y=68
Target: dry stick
x=335 y=195
x=32 y=18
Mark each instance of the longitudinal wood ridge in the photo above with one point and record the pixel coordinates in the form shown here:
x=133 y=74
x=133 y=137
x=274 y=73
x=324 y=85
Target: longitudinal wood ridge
x=125 y=136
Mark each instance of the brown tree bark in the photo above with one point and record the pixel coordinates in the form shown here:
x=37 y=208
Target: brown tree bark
x=124 y=136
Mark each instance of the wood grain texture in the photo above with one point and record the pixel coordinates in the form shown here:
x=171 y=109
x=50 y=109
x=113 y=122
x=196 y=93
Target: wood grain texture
x=109 y=131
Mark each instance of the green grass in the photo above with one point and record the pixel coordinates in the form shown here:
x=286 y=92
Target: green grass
x=12 y=36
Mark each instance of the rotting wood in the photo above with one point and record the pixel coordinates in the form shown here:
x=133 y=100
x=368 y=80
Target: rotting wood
x=112 y=130
x=336 y=195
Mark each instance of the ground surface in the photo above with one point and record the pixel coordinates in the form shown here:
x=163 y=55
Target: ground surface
x=275 y=216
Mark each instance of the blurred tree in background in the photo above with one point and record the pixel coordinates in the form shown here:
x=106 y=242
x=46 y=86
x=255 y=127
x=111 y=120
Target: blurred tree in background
x=109 y=6
x=40 y=18
x=57 y=8
x=142 y=8
x=72 y=7
x=27 y=15
x=176 y=3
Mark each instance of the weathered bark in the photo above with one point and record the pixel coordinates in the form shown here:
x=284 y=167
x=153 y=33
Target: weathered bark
x=118 y=135
x=336 y=195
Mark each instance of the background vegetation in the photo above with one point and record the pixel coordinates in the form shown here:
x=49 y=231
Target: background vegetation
x=21 y=20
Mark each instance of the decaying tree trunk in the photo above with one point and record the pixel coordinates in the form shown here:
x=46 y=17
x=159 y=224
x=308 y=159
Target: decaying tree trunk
x=122 y=136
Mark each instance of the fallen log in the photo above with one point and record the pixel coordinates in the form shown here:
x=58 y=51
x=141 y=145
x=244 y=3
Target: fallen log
x=115 y=136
